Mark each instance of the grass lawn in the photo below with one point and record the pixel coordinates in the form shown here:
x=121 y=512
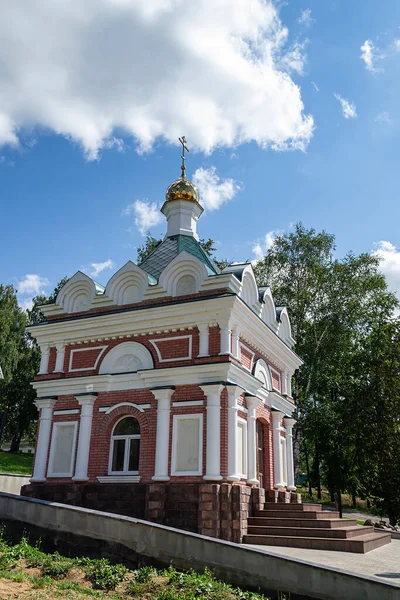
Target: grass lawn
x=16 y=463
x=26 y=572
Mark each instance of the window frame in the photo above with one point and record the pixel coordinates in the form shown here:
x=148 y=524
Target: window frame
x=175 y=421
x=50 y=472
x=136 y=436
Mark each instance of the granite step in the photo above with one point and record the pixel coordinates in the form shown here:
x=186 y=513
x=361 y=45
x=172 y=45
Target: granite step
x=300 y=521
x=293 y=507
x=361 y=544
x=294 y=514
x=346 y=532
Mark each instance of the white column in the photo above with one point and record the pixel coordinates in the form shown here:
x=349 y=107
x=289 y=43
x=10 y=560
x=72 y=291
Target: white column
x=289 y=423
x=235 y=343
x=277 y=417
x=60 y=358
x=85 y=430
x=234 y=393
x=213 y=448
x=163 y=397
x=203 y=340
x=252 y=403
x=44 y=359
x=45 y=405
x=225 y=337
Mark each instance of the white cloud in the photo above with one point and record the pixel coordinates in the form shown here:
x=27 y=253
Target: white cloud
x=97 y=268
x=214 y=191
x=370 y=54
x=32 y=284
x=390 y=264
x=396 y=45
x=383 y=118
x=348 y=108
x=316 y=88
x=306 y=18
x=295 y=58
x=260 y=248
x=147 y=215
x=96 y=70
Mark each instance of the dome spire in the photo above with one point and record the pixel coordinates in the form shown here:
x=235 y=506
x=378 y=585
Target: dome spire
x=182 y=207
x=183 y=157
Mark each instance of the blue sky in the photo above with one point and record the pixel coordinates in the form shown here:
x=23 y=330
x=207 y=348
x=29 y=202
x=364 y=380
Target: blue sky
x=93 y=98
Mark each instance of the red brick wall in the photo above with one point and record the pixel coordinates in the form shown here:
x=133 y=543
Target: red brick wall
x=170 y=348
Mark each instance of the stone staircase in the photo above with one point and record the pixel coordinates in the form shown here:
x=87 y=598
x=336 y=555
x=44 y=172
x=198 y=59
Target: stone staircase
x=308 y=526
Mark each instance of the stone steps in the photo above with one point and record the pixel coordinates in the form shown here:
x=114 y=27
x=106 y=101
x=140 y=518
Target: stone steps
x=300 y=521
x=308 y=526
x=340 y=533
x=294 y=514
x=363 y=543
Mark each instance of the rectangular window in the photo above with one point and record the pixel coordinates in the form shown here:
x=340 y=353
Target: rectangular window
x=187 y=445
x=62 y=451
x=241 y=456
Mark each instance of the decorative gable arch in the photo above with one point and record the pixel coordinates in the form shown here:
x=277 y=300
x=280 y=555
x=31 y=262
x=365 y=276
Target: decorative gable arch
x=268 y=311
x=77 y=294
x=127 y=357
x=249 y=290
x=285 y=330
x=127 y=285
x=184 y=275
x=262 y=372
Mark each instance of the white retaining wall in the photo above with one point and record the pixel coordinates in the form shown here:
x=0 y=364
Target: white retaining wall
x=236 y=564
x=11 y=484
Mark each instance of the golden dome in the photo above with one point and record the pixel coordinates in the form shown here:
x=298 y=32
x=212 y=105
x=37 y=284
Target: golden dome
x=182 y=189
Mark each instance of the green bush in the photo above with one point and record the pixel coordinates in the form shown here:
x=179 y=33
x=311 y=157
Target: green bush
x=56 y=568
x=104 y=576
x=145 y=574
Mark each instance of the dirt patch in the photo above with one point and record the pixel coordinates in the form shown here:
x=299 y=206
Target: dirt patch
x=10 y=590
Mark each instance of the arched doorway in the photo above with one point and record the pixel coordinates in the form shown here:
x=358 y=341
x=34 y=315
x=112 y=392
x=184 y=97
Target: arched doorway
x=260 y=452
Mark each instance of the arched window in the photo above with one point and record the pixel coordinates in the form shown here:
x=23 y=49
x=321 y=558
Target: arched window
x=125 y=447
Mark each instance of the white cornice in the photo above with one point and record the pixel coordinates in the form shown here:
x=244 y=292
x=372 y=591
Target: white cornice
x=150 y=319
x=160 y=378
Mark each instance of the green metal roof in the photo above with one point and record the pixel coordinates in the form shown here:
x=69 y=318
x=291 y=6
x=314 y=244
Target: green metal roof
x=155 y=263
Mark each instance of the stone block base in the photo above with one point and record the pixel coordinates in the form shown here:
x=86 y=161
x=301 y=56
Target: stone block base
x=215 y=510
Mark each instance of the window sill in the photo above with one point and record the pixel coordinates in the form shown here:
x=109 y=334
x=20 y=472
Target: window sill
x=119 y=479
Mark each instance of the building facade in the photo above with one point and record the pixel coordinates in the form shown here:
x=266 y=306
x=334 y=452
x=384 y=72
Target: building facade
x=167 y=394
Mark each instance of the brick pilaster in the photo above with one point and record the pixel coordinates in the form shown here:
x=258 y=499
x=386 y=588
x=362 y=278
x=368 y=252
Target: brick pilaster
x=240 y=511
x=226 y=511
x=209 y=510
x=155 y=502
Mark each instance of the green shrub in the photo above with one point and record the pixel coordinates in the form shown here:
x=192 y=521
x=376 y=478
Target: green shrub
x=56 y=568
x=145 y=574
x=104 y=576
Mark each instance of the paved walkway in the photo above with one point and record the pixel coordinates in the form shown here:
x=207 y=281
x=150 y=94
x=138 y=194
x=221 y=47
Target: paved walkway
x=355 y=514
x=383 y=563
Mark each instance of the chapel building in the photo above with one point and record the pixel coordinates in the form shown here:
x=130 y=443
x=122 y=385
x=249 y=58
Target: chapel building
x=167 y=394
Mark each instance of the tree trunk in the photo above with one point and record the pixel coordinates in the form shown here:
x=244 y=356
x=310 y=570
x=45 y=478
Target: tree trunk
x=353 y=500
x=15 y=442
x=317 y=473
x=308 y=470
x=339 y=502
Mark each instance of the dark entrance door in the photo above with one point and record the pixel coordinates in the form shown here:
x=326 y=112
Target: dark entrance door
x=260 y=452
